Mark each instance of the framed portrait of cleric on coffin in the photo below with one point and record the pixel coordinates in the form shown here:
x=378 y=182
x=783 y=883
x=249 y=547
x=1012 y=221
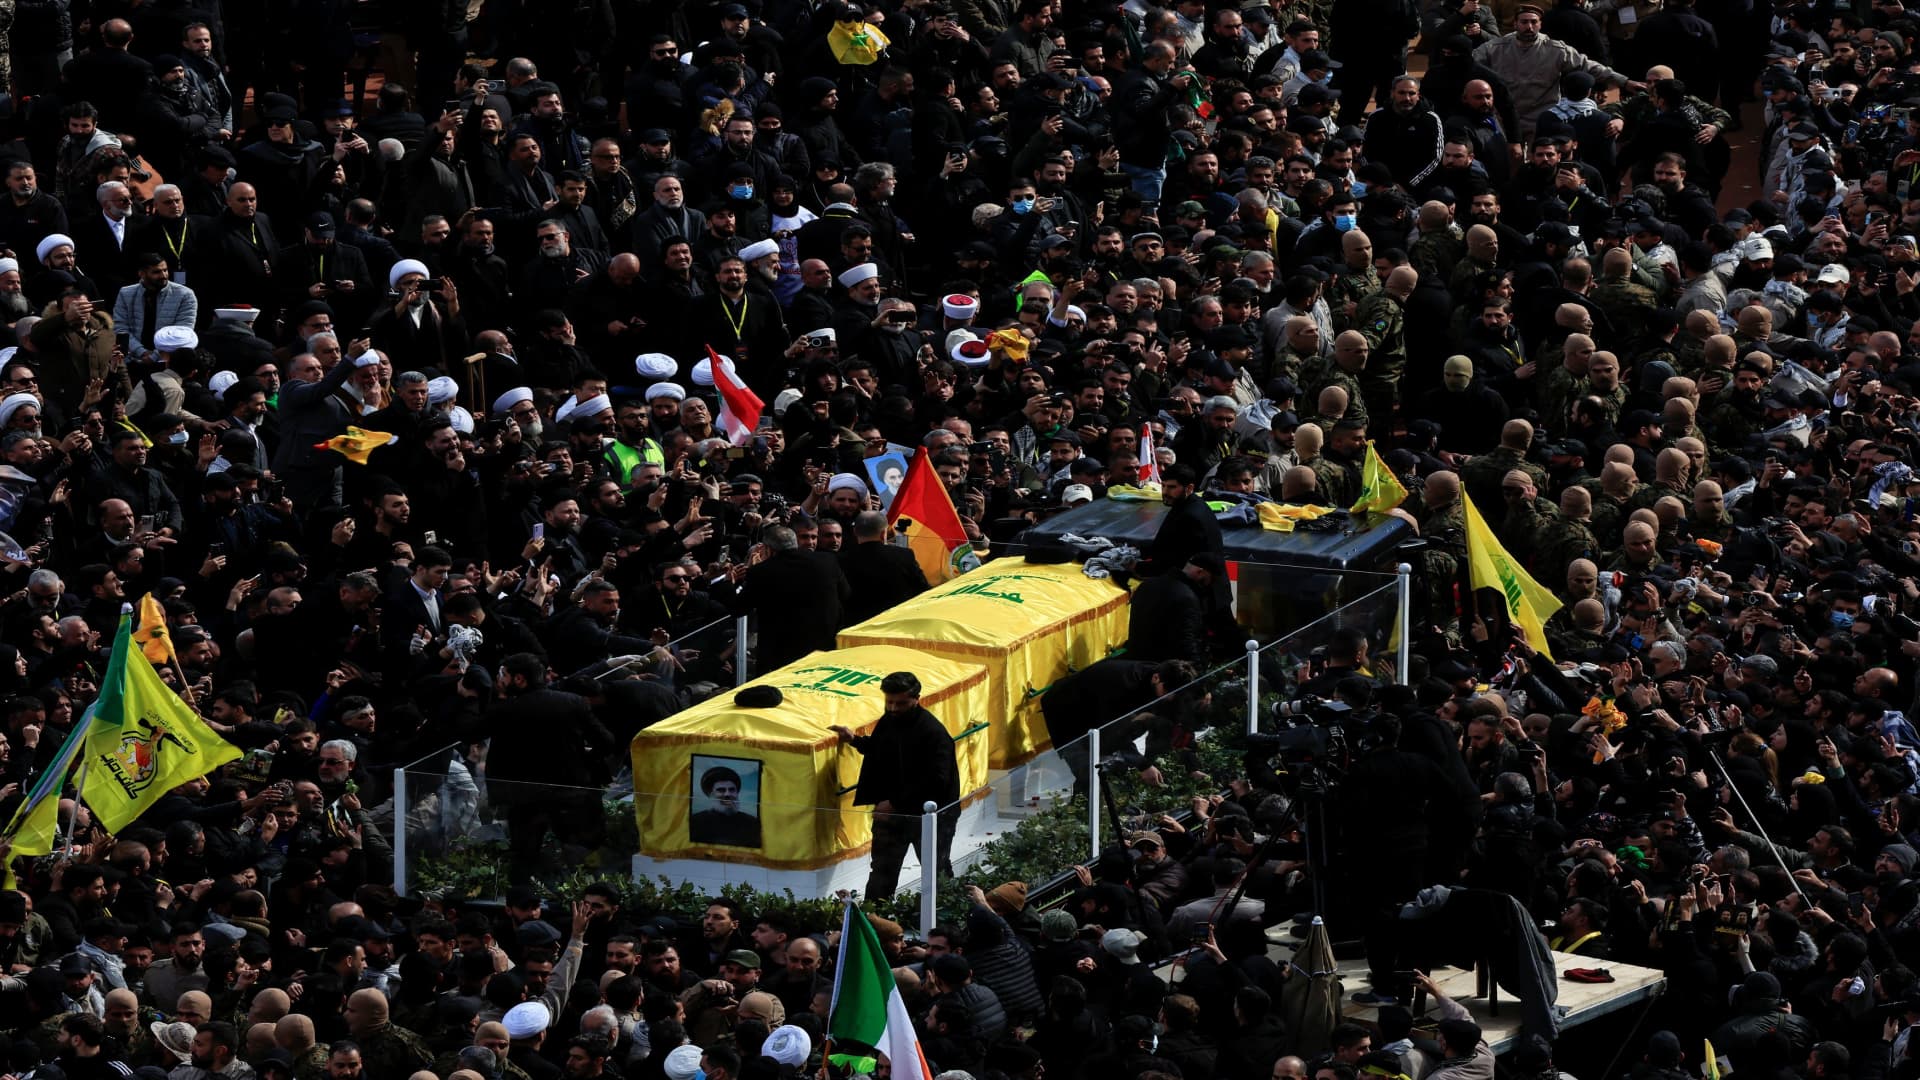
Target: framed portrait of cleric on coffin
x=725 y=808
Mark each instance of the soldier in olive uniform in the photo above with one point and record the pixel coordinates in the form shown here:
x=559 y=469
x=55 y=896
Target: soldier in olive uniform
x=1567 y=538
x=1484 y=476
x=1707 y=516
x=1528 y=516
x=1344 y=369
x=1356 y=280
x=1625 y=303
x=1381 y=319
x=1337 y=469
x=1443 y=524
x=385 y=1049
x=1441 y=243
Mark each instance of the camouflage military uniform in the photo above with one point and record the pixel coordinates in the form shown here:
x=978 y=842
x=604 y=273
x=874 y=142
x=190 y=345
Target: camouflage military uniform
x=1339 y=483
x=1557 y=545
x=312 y=1064
x=1558 y=390
x=1483 y=476
x=1460 y=282
x=1567 y=641
x=1609 y=517
x=1291 y=364
x=1627 y=306
x=1525 y=523
x=1653 y=493
x=1612 y=403
x=1435 y=254
x=1382 y=320
x=1445 y=530
x=1334 y=375
x=1636 y=110
x=393 y=1051
x=1350 y=287
x=1732 y=424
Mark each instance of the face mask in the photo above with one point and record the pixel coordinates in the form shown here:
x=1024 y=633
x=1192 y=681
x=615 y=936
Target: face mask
x=743 y=192
x=1359 y=189
x=1840 y=620
x=178 y=438
x=1345 y=222
x=1022 y=206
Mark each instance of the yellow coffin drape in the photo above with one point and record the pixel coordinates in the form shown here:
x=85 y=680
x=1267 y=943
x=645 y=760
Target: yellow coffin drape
x=1029 y=623
x=797 y=779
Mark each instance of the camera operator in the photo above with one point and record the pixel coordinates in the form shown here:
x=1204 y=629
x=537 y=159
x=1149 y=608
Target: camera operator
x=1111 y=688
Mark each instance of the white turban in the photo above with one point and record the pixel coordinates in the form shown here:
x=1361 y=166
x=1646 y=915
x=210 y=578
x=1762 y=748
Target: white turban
x=788 y=1045
x=847 y=480
x=170 y=338
x=759 y=251
x=505 y=402
x=653 y=365
x=47 y=246
x=221 y=380
x=856 y=275
x=959 y=306
x=6 y=354
x=565 y=409
x=527 y=1019
x=785 y=400
x=442 y=389
x=366 y=359
x=971 y=352
x=703 y=371
x=13 y=403
x=683 y=1062
x=9 y=264
x=462 y=420
x=592 y=407
x=673 y=391
x=403 y=268
x=237 y=314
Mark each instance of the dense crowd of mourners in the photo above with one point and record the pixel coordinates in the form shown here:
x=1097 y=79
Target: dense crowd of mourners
x=377 y=342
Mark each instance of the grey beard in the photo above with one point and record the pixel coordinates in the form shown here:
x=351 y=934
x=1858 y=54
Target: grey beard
x=15 y=304
x=531 y=430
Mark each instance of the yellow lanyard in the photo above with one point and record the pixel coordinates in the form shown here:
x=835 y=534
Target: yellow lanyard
x=739 y=325
x=176 y=249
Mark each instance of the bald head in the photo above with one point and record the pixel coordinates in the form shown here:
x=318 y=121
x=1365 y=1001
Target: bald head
x=1616 y=263
x=294 y=1033
x=269 y=1006
x=1516 y=435
x=1402 y=280
x=1434 y=214
x=1590 y=615
x=1483 y=243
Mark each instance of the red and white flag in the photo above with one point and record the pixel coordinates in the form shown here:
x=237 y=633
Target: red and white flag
x=1149 y=461
x=739 y=406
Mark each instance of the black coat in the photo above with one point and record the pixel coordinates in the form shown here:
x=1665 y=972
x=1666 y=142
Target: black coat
x=544 y=737
x=800 y=600
x=907 y=761
x=880 y=575
x=1106 y=689
x=1188 y=529
x=1166 y=620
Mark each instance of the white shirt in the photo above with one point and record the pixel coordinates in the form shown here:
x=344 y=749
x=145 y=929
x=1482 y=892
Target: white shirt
x=119 y=227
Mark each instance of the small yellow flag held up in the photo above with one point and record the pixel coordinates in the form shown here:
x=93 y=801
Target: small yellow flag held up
x=1712 y=1062
x=357 y=444
x=144 y=740
x=152 y=635
x=1528 y=604
x=1380 y=490
x=855 y=41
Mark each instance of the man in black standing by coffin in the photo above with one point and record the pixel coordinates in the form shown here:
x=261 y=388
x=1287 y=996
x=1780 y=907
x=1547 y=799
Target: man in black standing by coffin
x=910 y=761
x=1188 y=528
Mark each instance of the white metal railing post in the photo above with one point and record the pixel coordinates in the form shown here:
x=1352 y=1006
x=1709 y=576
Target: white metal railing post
x=1253 y=686
x=929 y=865
x=740 y=650
x=1093 y=794
x=400 y=831
x=1403 y=660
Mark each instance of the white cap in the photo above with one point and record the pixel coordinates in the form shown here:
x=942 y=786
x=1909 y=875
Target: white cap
x=655 y=365
x=9 y=264
x=1075 y=494
x=785 y=400
x=970 y=351
x=527 y=1019
x=760 y=250
x=366 y=359
x=237 y=314
x=1833 y=274
x=221 y=380
x=462 y=420
x=47 y=246
x=959 y=306
x=683 y=1062
x=442 y=389
x=513 y=397
x=169 y=338
x=703 y=371
x=673 y=391
x=565 y=409
x=855 y=275
x=826 y=332
x=12 y=404
x=1755 y=248
x=847 y=480
x=403 y=268
x=788 y=1045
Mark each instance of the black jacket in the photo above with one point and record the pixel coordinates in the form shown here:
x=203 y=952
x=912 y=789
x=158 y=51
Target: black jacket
x=544 y=737
x=1166 y=620
x=907 y=761
x=880 y=576
x=800 y=600
x=1188 y=529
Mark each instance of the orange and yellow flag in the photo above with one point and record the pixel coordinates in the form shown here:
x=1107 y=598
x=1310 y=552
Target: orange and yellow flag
x=923 y=516
x=357 y=444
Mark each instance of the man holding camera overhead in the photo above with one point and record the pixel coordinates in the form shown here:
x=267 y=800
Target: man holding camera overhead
x=423 y=323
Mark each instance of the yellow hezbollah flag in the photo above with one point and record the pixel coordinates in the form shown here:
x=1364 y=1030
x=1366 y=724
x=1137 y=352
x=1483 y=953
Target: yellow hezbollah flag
x=856 y=42
x=1492 y=568
x=1380 y=490
x=154 y=640
x=144 y=740
x=923 y=515
x=357 y=444
x=37 y=820
x=1712 y=1063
